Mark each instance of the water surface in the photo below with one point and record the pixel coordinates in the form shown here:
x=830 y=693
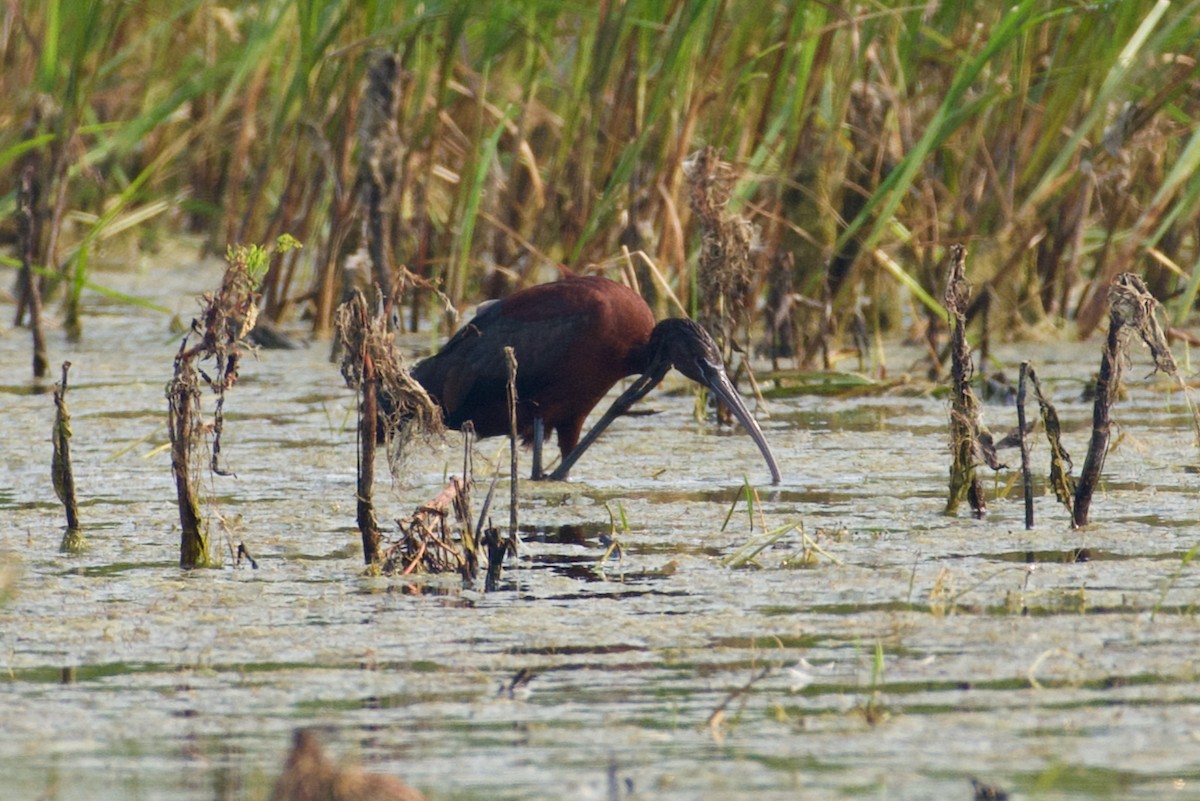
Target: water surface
x=879 y=649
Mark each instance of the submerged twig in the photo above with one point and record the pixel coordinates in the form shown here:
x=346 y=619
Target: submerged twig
x=717 y=717
x=1131 y=309
x=60 y=468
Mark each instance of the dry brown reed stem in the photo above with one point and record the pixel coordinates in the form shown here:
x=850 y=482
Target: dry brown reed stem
x=725 y=274
x=388 y=396
x=368 y=421
x=183 y=427
x=309 y=775
x=970 y=442
x=437 y=537
x=60 y=467
x=29 y=234
x=1131 y=309
x=379 y=136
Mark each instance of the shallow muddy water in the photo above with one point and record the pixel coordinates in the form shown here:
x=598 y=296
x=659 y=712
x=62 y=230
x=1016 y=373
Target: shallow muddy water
x=878 y=650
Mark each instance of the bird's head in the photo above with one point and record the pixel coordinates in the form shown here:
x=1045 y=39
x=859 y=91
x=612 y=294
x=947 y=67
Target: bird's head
x=684 y=345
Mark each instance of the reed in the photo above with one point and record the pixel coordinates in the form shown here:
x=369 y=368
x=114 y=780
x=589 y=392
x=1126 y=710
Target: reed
x=1059 y=140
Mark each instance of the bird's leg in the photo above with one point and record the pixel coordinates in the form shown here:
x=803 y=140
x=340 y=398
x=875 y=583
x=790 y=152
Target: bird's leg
x=636 y=392
x=539 y=436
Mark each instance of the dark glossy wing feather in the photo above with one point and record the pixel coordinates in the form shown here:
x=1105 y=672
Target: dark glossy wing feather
x=469 y=375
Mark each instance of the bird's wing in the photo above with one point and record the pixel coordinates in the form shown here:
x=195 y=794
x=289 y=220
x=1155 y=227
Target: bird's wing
x=471 y=367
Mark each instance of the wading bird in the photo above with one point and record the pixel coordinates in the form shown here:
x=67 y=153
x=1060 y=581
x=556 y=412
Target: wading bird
x=573 y=340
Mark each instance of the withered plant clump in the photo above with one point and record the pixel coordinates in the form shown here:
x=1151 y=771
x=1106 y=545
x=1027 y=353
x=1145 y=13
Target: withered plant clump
x=438 y=537
x=970 y=441
x=405 y=408
x=1131 y=310
x=725 y=272
x=389 y=397
x=61 y=471
x=227 y=317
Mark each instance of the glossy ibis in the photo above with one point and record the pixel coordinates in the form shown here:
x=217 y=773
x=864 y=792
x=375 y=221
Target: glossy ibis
x=574 y=339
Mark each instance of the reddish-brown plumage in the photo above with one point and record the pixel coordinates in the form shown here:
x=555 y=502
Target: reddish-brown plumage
x=573 y=339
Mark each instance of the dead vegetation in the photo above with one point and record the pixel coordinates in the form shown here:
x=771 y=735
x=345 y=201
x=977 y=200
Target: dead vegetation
x=226 y=319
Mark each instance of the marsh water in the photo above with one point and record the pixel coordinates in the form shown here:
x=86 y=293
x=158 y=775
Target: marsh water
x=875 y=649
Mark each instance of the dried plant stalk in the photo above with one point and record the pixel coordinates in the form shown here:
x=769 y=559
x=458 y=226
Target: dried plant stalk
x=971 y=443
x=1131 y=309
x=29 y=234
x=1026 y=474
x=379 y=134
x=227 y=318
x=391 y=403
x=1061 y=480
x=60 y=467
x=725 y=274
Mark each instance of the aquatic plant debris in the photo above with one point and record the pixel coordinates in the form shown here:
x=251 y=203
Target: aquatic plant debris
x=1061 y=480
x=391 y=402
x=61 y=471
x=226 y=320
x=430 y=543
x=1131 y=310
x=970 y=441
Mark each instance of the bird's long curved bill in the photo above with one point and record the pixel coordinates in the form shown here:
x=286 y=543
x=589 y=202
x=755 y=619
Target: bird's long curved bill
x=716 y=380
